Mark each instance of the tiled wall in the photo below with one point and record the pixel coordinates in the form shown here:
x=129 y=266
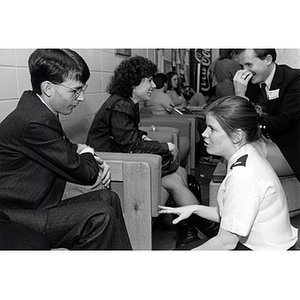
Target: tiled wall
x=15 y=77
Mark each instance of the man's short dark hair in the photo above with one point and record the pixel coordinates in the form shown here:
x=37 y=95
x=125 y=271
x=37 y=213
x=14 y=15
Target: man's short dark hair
x=56 y=65
x=260 y=53
x=160 y=79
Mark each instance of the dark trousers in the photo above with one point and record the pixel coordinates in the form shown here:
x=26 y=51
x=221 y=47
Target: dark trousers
x=92 y=221
x=15 y=236
x=196 y=244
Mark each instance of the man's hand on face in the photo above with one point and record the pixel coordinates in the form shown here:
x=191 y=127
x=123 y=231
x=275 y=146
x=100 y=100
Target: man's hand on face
x=240 y=81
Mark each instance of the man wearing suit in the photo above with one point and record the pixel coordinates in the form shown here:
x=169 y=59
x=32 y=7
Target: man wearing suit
x=36 y=160
x=275 y=90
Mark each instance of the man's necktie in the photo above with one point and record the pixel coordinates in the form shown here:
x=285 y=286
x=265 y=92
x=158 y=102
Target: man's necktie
x=263 y=99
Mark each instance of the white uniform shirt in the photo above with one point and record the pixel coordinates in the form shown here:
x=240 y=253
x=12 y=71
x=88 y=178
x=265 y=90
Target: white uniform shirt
x=253 y=204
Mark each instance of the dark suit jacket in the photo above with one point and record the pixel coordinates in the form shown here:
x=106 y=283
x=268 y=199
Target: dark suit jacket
x=36 y=159
x=283 y=119
x=115 y=129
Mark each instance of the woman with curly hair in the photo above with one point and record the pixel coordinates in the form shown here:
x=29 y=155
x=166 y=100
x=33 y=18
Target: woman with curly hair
x=115 y=129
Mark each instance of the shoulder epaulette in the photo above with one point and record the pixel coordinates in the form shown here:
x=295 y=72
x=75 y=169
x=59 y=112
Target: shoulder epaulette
x=240 y=162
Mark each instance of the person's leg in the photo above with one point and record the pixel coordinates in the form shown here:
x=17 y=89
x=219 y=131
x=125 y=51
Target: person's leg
x=165 y=195
x=176 y=185
x=91 y=221
x=15 y=236
x=73 y=189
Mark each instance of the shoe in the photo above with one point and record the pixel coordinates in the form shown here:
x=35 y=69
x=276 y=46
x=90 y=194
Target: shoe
x=208 y=160
x=207 y=227
x=186 y=233
x=210 y=229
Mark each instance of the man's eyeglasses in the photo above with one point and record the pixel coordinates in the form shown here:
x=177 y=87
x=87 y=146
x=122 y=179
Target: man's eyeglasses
x=77 y=92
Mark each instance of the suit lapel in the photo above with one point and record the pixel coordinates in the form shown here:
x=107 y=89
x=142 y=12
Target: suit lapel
x=278 y=78
x=276 y=84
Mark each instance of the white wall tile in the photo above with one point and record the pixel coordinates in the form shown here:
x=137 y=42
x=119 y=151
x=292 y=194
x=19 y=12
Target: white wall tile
x=120 y=58
x=7 y=57
x=92 y=103
x=8 y=83
x=105 y=96
x=24 y=83
x=109 y=61
x=7 y=107
x=109 y=50
x=77 y=111
x=142 y=52
x=22 y=56
x=93 y=58
x=95 y=83
x=105 y=80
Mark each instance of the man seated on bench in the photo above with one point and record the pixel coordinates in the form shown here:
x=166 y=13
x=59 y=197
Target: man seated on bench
x=37 y=159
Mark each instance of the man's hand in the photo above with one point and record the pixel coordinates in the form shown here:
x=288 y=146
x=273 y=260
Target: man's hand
x=240 y=81
x=82 y=148
x=105 y=171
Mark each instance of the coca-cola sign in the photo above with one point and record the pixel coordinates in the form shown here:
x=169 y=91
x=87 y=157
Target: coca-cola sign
x=201 y=60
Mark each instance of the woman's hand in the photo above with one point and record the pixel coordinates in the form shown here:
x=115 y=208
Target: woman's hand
x=105 y=171
x=183 y=211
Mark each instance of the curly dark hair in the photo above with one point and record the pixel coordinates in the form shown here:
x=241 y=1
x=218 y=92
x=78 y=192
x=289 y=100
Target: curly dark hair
x=129 y=74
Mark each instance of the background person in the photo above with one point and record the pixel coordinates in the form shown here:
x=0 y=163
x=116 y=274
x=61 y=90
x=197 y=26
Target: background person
x=252 y=208
x=160 y=103
x=224 y=70
x=37 y=159
x=176 y=89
